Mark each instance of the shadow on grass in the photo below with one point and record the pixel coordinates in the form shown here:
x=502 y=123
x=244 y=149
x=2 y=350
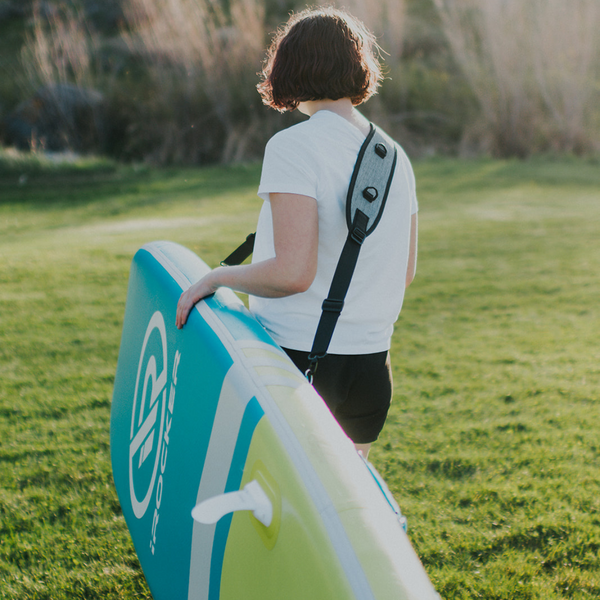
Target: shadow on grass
x=462 y=175
x=45 y=182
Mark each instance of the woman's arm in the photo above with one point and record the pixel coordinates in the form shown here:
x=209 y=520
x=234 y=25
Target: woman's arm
x=412 y=250
x=291 y=271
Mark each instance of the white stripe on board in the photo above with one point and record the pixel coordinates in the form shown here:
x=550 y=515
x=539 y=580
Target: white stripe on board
x=223 y=438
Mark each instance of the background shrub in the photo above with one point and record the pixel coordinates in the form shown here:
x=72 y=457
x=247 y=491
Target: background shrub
x=533 y=66
x=499 y=77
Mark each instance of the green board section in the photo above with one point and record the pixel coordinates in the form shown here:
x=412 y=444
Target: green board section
x=297 y=561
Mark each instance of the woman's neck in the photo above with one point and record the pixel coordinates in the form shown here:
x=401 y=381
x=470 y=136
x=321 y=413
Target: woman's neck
x=342 y=107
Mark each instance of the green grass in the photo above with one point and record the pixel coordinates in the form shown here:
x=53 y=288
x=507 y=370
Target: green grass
x=491 y=447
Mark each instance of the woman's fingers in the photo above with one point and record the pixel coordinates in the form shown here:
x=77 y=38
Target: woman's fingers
x=182 y=312
x=187 y=300
x=184 y=307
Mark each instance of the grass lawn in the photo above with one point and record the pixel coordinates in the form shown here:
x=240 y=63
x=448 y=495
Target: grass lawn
x=491 y=448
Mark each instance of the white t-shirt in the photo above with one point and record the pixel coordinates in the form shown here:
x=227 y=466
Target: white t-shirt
x=316 y=158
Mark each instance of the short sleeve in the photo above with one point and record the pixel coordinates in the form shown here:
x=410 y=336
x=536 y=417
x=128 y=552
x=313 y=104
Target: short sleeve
x=286 y=167
x=414 y=204
x=410 y=180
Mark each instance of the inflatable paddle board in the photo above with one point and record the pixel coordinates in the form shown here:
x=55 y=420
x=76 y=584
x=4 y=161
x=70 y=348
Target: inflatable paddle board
x=215 y=419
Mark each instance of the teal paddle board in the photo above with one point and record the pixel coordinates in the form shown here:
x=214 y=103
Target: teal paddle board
x=234 y=479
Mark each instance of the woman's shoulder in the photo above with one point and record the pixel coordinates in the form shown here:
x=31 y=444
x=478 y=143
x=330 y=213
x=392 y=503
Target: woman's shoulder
x=292 y=139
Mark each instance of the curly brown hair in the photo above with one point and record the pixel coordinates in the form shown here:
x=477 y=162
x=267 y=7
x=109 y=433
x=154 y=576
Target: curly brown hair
x=320 y=54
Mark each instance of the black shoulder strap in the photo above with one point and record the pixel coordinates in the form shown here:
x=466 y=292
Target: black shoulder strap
x=367 y=195
x=241 y=253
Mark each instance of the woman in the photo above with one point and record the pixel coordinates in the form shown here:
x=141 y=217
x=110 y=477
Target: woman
x=322 y=63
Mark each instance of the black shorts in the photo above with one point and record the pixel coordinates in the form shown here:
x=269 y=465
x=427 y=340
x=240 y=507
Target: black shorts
x=356 y=388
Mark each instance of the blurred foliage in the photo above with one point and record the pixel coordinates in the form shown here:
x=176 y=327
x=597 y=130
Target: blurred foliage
x=168 y=109
x=423 y=102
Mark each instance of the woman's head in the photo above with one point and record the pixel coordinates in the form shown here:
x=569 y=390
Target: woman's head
x=320 y=54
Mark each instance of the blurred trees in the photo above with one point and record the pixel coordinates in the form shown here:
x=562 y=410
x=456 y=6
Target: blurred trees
x=177 y=77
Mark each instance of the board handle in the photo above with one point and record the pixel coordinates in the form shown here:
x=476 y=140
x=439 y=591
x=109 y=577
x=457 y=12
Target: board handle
x=252 y=497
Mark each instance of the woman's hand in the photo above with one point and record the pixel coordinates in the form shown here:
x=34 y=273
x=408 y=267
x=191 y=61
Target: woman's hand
x=189 y=298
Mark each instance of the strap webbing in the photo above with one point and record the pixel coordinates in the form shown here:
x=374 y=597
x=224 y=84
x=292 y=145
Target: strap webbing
x=241 y=253
x=333 y=305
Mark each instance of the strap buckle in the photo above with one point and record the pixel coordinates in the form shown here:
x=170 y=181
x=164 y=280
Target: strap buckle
x=332 y=305
x=313 y=363
x=358 y=235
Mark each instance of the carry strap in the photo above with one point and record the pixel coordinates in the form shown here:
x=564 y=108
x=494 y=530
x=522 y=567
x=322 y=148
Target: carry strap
x=241 y=253
x=367 y=195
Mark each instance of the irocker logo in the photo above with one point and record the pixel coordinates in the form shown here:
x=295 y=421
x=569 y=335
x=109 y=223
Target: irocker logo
x=151 y=420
